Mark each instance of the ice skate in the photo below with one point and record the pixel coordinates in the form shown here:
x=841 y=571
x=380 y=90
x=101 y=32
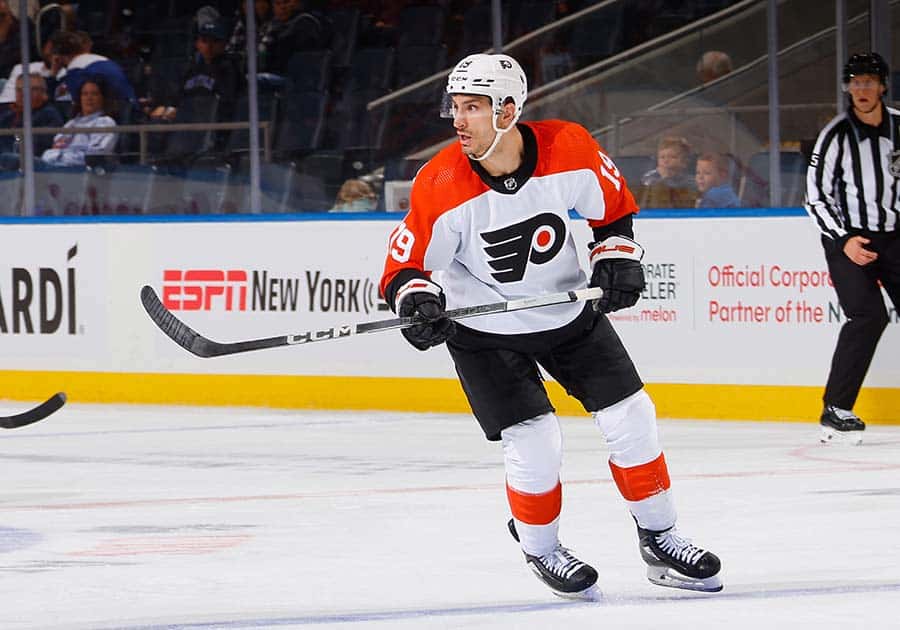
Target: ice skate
x=841 y=426
x=673 y=561
x=566 y=575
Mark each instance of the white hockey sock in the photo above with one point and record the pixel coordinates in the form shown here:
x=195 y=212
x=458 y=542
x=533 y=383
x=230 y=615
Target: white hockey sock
x=636 y=460
x=532 y=454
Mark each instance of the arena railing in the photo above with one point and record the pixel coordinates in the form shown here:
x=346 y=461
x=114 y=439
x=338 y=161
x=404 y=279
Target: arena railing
x=144 y=131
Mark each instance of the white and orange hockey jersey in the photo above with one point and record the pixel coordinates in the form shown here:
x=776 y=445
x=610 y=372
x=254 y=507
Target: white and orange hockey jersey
x=486 y=239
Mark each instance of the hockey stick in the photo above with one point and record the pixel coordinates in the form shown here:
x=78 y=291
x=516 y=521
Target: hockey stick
x=194 y=342
x=33 y=415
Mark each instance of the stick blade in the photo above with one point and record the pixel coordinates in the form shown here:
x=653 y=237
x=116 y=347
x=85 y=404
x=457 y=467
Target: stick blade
x=177 y=330
x=49 y=406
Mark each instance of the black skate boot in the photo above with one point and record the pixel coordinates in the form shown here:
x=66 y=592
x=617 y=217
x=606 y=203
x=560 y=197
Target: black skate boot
x=566 y=575
x=674 y=561
x=840 y=425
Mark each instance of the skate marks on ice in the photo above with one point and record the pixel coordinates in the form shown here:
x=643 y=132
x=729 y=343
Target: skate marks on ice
x=871 y=492
x=749 y=592
x=874 y=454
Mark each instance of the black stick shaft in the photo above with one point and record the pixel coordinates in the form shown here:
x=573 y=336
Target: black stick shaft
x=194 y=342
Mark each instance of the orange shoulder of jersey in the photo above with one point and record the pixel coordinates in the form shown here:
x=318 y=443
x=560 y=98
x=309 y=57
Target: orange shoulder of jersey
x=445 y=182
x=563 y=146
x=567 y=146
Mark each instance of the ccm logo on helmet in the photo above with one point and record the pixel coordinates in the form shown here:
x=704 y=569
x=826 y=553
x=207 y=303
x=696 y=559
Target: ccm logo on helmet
x=510 y=249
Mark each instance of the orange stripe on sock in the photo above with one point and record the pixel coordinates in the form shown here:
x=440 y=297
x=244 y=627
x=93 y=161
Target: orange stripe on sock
x=535 y=509
x=640 y=482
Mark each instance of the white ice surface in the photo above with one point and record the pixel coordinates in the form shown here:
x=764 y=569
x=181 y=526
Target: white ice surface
x=174 y=517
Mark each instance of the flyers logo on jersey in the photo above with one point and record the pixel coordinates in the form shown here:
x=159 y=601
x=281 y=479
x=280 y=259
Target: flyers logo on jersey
x=511 y=248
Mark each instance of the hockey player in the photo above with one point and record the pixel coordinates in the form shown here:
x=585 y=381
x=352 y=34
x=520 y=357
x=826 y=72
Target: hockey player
x=489 y=221
x=853 y=195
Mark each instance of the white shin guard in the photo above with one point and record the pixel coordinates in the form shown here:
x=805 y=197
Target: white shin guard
x=631 y=434
x=532 y=455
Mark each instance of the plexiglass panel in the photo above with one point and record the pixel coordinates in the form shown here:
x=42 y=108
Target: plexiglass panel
x=156 y=95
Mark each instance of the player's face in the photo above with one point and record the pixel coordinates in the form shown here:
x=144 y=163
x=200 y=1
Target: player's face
x=706 y=176
x=670 y=162
x=472 y=121
x=866 y=91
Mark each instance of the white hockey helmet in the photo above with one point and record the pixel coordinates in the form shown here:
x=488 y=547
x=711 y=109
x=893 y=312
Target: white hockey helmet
x=498 y=77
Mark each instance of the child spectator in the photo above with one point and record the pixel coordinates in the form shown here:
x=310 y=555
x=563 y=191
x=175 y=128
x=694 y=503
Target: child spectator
x=355 y=195
x=669 y=185
x=712 y=182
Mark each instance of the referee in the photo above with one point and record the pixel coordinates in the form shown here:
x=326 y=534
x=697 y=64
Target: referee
x=852 y=189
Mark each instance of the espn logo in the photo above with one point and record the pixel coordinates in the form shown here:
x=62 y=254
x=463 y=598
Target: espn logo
x=202 y=289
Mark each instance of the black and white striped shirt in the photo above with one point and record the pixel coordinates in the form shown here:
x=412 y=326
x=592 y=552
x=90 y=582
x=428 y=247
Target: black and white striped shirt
x=853 y=179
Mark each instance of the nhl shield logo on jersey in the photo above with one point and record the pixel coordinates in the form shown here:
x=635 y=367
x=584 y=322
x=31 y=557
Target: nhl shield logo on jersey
x=895 y=164
x=510 y=183
x=511 y=248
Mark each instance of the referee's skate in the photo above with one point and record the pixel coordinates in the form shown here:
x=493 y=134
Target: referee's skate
x=841 y=426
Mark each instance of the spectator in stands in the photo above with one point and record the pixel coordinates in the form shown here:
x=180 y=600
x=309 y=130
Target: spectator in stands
x=10 y=51
x=72 y=52
x=43 y=114
x=712 y=65
x=41 y=67
x=237 y=44
x=212 y=70
x=713 y=170
x=355 y=195
x=669 y=185
x=91 y=106
x=290 y=30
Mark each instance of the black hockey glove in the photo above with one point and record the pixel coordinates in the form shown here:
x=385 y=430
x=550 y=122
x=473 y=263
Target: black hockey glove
x=426 y=300
x=616 y=264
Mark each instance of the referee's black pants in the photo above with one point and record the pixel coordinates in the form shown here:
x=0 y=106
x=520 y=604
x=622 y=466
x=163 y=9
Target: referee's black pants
x=863 y=304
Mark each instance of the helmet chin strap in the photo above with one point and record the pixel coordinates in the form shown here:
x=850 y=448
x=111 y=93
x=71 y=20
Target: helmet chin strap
x=498 y=133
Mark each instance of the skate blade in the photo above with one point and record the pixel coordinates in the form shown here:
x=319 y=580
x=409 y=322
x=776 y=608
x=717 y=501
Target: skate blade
x=590 y=594
x=665 y=576
x=833 y=436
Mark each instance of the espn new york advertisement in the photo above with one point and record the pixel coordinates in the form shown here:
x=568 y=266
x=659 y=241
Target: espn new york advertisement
x=728 y=300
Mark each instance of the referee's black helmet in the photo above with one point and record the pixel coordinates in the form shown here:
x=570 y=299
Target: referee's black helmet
x=866 y=63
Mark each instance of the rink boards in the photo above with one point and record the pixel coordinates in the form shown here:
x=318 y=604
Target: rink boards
x=738 y=319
